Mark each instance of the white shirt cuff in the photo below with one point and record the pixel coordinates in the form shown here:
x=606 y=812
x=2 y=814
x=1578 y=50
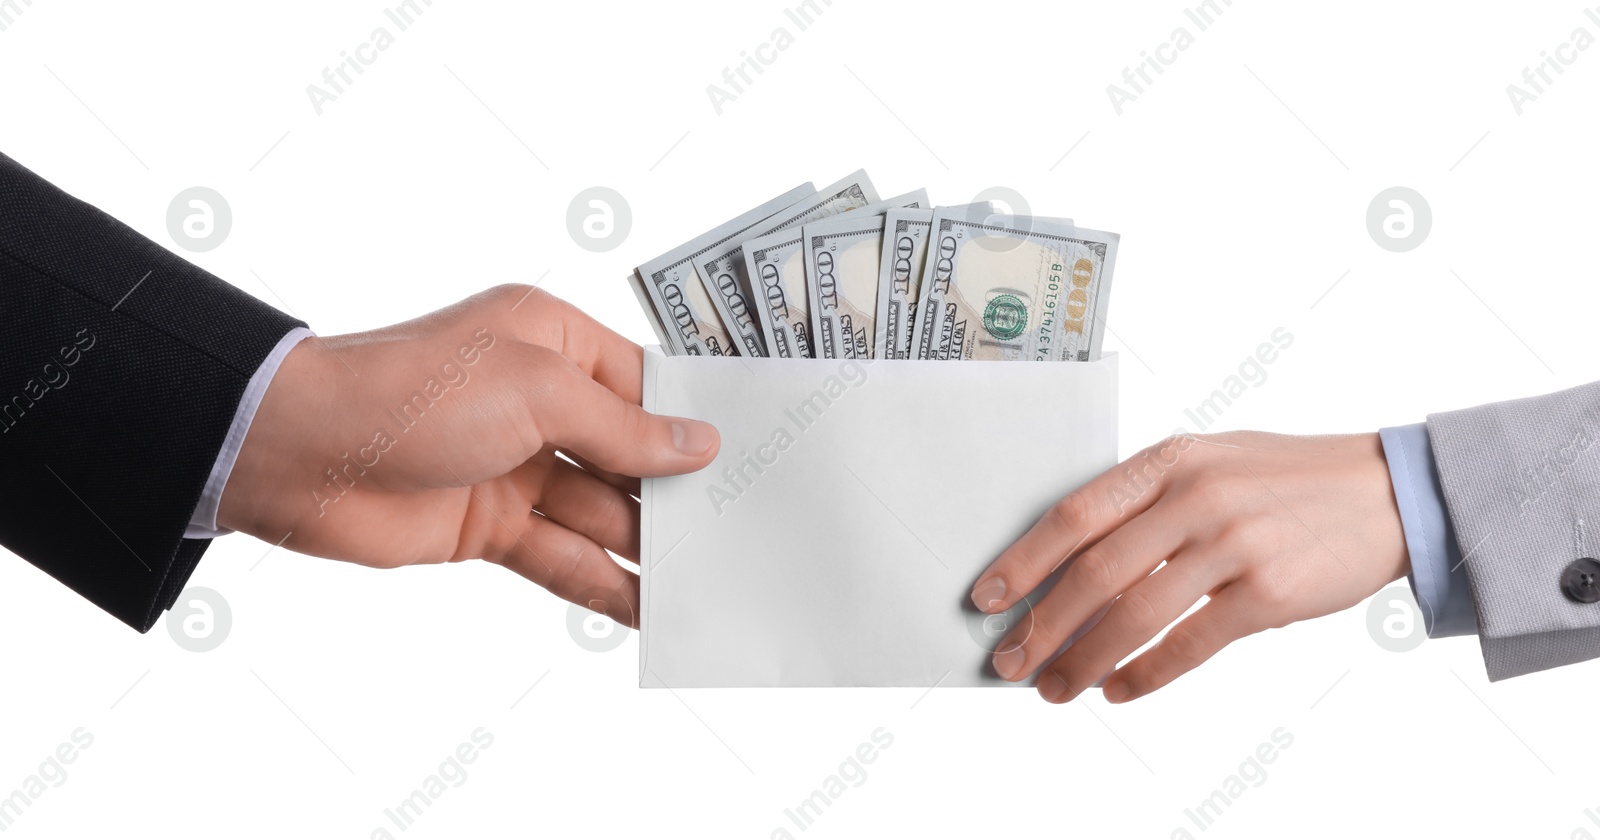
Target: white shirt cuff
x=203 y=524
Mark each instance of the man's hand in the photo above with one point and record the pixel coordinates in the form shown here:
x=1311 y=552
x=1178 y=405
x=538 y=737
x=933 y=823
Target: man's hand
x=436 y=440
x=1273 y=528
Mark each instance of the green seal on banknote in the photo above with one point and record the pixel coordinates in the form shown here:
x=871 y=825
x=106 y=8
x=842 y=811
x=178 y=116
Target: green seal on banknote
x=1005 y=317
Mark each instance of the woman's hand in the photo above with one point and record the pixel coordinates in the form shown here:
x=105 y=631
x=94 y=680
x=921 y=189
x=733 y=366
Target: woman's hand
x=436 y=440
x=1273 y=528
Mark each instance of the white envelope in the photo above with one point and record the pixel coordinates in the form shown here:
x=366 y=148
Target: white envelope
x=835 y=539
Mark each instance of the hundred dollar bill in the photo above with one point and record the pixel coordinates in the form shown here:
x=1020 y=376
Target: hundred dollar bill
x=905 y=243
x=842 y=256
x=722 y=269
x=1014 y=288
x=900 y=274
x=681 y=301
x=919 y=293
x=650 y=313
x=776 y=265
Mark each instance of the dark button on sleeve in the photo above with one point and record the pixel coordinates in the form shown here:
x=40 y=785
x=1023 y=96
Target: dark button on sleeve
x=1581 y=580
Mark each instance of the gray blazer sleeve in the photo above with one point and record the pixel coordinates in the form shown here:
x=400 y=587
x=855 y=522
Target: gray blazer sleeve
x=1521 y=481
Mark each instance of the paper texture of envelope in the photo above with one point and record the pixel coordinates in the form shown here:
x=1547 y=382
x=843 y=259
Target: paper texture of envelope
x=835 y=539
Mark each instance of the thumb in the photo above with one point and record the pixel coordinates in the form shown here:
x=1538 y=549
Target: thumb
x=579 y=415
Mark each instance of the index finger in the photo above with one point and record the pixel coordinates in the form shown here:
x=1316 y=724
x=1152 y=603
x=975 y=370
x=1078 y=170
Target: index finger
x=583 y=418
x=1080 y=519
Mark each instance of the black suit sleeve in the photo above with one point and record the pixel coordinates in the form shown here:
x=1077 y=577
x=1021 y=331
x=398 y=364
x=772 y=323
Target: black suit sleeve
x=121 y=366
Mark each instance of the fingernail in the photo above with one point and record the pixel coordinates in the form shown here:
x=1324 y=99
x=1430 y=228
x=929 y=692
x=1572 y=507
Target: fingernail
x=692 y=438
x=1115 y=692
x=990 y=594
x=1052 y=688
x=1008 y=662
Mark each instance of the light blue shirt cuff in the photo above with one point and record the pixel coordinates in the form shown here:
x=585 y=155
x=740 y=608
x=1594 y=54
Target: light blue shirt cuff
x=1438 y=577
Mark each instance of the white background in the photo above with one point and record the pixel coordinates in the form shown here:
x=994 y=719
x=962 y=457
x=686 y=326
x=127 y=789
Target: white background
x=448 y=167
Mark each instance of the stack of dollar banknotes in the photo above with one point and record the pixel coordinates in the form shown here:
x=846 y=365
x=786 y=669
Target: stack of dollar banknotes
x=837 y=273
